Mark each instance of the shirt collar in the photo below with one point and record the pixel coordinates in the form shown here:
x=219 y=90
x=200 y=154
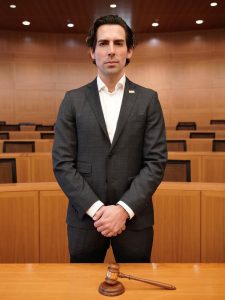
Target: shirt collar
x=120 y=84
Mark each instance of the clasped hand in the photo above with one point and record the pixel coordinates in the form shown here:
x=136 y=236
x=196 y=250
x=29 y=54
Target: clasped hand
x=110 y=220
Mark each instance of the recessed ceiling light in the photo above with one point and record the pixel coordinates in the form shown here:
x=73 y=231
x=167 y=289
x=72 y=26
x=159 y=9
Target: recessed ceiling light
x=70 y=25
x=12 y=6
x=213 y=3
x=113 y=5
x=155 y=24
x=26 y=23
x=199 y=21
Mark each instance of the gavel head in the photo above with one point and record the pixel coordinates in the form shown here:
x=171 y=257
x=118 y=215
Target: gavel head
x=111 y=287
x=112 y=274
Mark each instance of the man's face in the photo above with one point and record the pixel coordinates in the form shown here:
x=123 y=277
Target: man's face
x=111 y=51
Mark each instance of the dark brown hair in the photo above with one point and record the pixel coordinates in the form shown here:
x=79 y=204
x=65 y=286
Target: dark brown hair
x=91 y=39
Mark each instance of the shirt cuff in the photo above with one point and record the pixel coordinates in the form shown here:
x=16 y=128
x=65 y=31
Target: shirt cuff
x=127 y=208
x=94 y=208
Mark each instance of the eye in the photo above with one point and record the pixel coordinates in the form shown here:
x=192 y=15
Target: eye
x=119 y=43
x=102 y=44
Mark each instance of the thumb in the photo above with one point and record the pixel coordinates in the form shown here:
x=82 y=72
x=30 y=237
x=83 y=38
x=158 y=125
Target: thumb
x=98 y=214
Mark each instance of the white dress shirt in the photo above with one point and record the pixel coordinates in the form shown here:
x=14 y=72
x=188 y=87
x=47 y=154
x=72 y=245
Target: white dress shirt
x=111 y=104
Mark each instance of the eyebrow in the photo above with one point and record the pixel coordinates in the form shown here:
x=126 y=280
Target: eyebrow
x=105 y=40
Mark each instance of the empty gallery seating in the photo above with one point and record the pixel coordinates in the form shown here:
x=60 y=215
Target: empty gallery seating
x=8 y=170
x=217 y=122
x=44 y=127
x=10 y=127
x=4 y=136
x=178 y=170
x=218 y=145
x=176 y=145
x=18 y=146
x=47 y=135
x=202 y=135
x=186 y=126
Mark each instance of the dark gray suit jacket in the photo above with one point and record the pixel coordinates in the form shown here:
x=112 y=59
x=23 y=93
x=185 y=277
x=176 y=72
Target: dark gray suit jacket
x=89 y=168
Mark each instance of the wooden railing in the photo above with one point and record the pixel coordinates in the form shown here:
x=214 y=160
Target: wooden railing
x=189 y=223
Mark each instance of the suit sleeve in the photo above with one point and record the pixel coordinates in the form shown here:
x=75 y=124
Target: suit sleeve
x=154 y=160
x=64 y=155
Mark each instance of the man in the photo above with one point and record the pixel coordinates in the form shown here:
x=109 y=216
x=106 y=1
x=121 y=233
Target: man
x=109 y=153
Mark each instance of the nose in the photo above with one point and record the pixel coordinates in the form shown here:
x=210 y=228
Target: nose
x=111 y=49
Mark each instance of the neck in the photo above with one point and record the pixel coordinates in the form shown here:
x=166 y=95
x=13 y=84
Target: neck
x=111 y=81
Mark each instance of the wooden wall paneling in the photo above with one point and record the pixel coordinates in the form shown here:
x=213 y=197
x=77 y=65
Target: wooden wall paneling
x=41 y=166
x=7 y=104
x=19 y=227
x=71 y=75
x=213 y=226
x=6 y=74
x=213 y=167
x=196 y=163
x=218 y=110
x=33 y=104
x=33 y=75
x=177 y=226
x=53 y=232
x=186 y=69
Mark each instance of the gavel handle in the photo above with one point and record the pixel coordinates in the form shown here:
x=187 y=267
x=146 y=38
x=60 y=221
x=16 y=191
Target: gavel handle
x=157 y=283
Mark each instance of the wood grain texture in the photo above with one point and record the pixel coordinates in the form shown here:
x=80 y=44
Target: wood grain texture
x=195 y=158
x=37 y=167
x=213 y=168
x=53 y=233
x=185 y=68
x=81 y=281
x=41 y=167
x=179 y=235
x=177 y=226
x=213 y=226
x=19 y=227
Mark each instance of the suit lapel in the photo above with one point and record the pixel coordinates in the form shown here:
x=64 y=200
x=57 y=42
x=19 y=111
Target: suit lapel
x=129 y=99
x=94 y=100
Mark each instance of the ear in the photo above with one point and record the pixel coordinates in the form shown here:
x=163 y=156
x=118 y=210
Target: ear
x=92 y=54
x=129 y=53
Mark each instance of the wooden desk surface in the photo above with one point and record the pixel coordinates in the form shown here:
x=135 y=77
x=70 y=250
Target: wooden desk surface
x=81 y=281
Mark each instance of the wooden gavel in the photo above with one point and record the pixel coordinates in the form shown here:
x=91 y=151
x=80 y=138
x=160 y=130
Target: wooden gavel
x=111 y=285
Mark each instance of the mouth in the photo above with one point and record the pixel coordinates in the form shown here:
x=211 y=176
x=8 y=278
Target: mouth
x=111 y=62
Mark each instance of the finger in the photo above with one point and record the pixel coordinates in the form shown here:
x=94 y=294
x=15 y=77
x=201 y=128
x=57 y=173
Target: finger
x=98 y=223
x=98 y=215
x=109 y=234
x=106 y=234
x=103 y=228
